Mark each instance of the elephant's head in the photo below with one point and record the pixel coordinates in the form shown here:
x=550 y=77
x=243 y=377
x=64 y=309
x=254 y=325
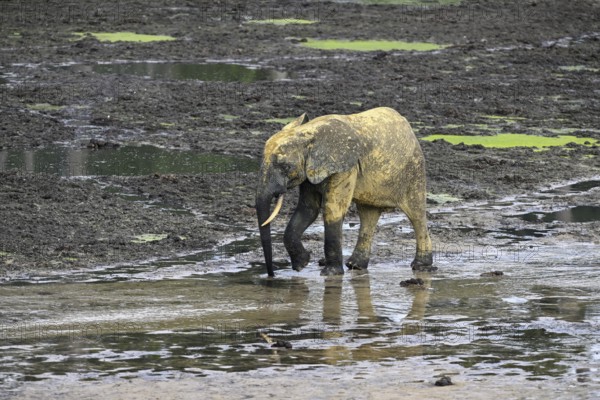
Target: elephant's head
x=302 y=151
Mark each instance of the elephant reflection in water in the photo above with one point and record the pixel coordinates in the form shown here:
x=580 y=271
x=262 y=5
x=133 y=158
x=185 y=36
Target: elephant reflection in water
x=367 y=315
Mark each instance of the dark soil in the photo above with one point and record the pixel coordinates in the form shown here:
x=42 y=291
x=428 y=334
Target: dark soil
x=504 y=61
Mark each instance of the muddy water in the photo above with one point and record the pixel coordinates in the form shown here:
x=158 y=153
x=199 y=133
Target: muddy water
x=163 y=318
x=221 y=72
x=123 y=161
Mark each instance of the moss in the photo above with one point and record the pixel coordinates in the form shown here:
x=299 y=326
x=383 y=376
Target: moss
x=229 y=117
x=370 y=45
x=44 y=107
x=149 y=237
x=509 y=140
x=442 y=198
x=504 y=118
x=577 y=68
x=113 y=37
x=282 y=121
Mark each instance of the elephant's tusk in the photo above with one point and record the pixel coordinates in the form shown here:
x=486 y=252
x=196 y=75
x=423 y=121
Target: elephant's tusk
x=275 y=211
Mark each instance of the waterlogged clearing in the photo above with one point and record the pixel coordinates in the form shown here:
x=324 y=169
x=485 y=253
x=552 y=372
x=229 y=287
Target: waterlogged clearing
x=371 y=45
x=121 y=161
x=221 y=72
x=113 y=37
x=202 y=314
x=509 y=140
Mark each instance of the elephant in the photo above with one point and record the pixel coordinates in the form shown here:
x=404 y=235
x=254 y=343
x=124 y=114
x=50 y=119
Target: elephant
x=371 y=158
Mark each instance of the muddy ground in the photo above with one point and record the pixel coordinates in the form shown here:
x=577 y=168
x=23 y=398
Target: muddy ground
x=501 y=73
x=512 y=67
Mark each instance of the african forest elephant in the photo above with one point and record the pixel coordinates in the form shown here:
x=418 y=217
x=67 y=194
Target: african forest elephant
x=372 y=159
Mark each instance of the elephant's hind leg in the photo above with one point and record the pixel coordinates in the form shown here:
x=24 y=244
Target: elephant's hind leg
x=415 y=212
x=306 y=212
x=369 y=216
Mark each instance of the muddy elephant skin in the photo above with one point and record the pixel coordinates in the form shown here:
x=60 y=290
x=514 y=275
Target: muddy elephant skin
x=371 y=158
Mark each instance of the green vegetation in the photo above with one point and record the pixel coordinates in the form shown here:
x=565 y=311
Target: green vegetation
x=114 y=37
x=508 y=140
x=149 y=237
x=371 y=45
x=442 y=198
x=229 y=117
x=577 y=68
x=44 y=107
x=282 y=121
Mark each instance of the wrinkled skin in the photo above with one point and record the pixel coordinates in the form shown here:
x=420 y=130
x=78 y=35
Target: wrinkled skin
x=372 y=159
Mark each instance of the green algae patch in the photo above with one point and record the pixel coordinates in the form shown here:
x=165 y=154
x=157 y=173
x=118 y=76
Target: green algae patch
x=44 y=107
x=149 y=237
x=578 y=68
x=442 y=198
x=228 y=117
x=282 y=121
x=509 y=140
x=505 y=118
x=370 y=45
x=282 y=21
x=113 y=37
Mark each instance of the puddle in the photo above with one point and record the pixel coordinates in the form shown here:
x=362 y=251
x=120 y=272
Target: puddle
x=221 y=72
x=122 y=161
x=539 y=322
x=370 y=45
x=519 y=234
x=578 y=187
x=113 y=37
x=573 y=214
x=509 y=140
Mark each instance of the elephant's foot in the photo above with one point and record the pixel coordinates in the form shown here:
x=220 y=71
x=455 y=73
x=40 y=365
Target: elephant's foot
x=357 y=263
x=423 y=262
x=300 y=260
x=332 y=270
x=322 y=262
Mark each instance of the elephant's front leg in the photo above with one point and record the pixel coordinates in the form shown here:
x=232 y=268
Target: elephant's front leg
x=337 y=198
x=306 y=212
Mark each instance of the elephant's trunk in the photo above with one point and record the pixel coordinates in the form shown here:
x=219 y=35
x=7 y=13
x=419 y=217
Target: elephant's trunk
x=263 y=208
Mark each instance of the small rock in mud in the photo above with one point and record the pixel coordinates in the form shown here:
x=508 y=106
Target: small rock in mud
x=444 y=381
x=282 y=343
x=492 y=274
x=412 y=282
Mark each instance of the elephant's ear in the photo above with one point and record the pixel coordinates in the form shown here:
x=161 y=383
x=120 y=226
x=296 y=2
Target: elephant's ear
x=297 y=122
x=336 y=147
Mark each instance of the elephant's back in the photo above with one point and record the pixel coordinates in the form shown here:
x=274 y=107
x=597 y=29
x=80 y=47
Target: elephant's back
x=388 y=132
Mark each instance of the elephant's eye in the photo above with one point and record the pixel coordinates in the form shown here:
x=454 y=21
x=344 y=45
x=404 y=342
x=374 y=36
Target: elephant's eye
x=287 y=168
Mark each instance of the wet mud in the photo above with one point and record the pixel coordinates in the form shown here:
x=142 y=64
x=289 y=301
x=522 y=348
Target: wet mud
x=133 y=163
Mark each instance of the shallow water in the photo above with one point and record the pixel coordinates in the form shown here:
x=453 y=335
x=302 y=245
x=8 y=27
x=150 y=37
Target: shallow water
x=208 y=311
x=221 y=72
x=540 y=320
x=122 y=161
x=573 y=214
